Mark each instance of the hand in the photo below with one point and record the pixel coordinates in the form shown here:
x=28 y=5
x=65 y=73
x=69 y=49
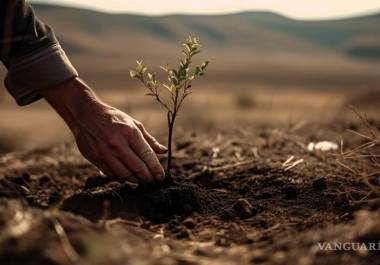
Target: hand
x=110 y=139
x=118 y=144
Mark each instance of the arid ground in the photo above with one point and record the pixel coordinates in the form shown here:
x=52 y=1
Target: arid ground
x=238 y=197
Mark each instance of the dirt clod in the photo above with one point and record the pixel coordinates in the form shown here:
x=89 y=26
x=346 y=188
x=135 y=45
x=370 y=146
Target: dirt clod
x=243 y=209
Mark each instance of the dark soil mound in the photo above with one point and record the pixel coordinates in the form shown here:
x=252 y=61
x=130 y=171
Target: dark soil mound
x=158 y=202
x=162 y=202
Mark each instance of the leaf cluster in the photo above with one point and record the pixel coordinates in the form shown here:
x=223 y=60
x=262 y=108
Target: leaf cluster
x=179 y=81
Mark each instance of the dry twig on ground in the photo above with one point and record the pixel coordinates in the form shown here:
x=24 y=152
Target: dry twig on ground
x=367 y=155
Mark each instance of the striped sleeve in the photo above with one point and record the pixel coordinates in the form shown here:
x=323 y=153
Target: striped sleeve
x=31 y=53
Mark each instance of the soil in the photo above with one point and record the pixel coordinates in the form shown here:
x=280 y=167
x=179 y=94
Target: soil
x=231 y=201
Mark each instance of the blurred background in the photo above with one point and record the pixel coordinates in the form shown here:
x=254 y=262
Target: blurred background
x=272 y=62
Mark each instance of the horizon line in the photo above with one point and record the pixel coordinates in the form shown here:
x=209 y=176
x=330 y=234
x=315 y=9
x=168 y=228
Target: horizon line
x=99 y=10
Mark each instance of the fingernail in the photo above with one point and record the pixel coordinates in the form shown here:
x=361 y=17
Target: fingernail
x=163 y=147
x=160 y=176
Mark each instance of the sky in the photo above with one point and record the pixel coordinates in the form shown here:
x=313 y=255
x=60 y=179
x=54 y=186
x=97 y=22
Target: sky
x=301 y=9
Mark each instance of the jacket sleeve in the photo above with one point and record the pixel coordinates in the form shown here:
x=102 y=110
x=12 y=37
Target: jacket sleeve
x=30 y=52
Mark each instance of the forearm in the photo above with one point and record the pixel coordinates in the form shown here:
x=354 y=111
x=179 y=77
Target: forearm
x=69 y=99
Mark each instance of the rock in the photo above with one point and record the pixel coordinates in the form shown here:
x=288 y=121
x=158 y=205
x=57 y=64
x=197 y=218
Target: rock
x=243 y=209
x=319 y=184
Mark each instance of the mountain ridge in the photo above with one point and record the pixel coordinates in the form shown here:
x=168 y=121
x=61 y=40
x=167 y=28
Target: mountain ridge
x=318 y=31
x=248 y=12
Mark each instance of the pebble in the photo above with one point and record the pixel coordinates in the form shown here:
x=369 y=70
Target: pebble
x=243 y=209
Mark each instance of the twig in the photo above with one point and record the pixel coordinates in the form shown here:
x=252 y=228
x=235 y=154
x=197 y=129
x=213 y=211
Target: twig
x=287 y=162
x=228 y=167
x=296 y=163
x=109 y=223
x=222 y=168
x=363 y=152
x=65 y=242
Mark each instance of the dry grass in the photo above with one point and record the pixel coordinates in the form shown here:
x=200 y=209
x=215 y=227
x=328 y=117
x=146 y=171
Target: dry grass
x=366 y=156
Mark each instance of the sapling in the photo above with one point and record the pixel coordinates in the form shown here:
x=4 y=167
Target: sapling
x=178 y=85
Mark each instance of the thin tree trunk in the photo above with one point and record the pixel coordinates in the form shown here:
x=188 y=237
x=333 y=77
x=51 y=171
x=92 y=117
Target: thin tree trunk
x=170 y=136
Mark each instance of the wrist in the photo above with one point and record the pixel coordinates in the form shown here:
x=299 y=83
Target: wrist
x=70 y=99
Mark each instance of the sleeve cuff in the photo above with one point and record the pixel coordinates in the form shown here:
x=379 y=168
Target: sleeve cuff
x=42 y=70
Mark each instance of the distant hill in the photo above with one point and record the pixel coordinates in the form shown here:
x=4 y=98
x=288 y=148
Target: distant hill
x=247 y=46
x=263 y=30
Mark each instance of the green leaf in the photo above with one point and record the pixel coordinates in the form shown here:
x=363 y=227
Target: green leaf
x=170 y=88
x=175 y=73
x=188 y=47
x=189 y=39
x=197 y=70
x=204 y=65
x=173 y=80
x=185 y=53
x=165 y=68
x=132 y=73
